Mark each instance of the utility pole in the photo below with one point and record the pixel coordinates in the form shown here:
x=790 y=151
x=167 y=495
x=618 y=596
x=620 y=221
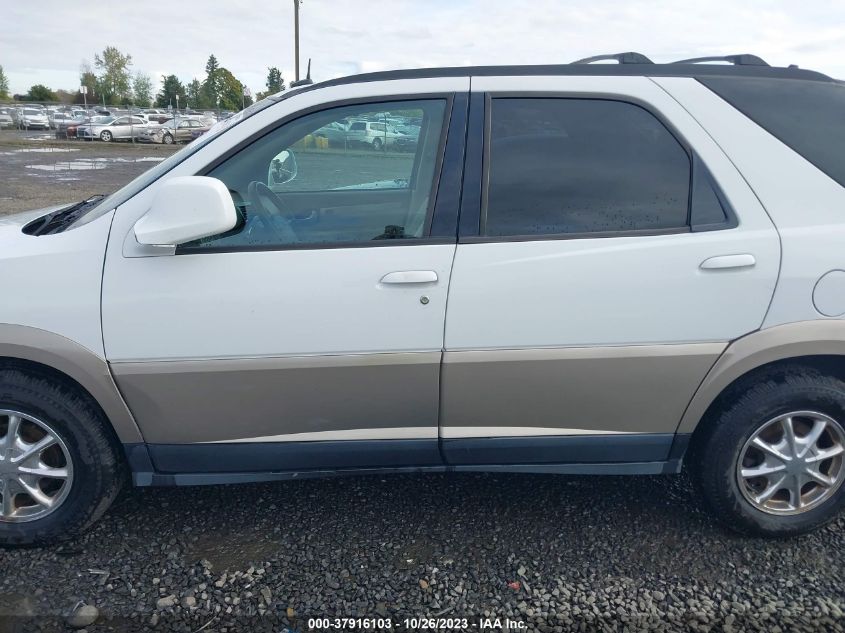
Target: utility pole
x=296 y=37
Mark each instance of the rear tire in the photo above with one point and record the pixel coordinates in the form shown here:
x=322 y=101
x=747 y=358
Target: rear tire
x=96 y=471
x=753 y=463
x=377 y=144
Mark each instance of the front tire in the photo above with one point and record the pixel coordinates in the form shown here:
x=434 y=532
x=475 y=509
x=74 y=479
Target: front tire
x=105 y=136
x=377 y=144
x=59 y=467
x=772 y=462
x=167 y=139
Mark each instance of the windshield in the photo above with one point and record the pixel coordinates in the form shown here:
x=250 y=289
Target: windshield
x=148 y=177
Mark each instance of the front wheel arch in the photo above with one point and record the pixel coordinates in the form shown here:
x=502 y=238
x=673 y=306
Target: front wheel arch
x=39 y=370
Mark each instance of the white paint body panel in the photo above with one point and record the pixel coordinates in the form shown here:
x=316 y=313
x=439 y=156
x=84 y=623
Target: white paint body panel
x=52 y=282
x=807 y=206
x=272 y=303
x=616 y=290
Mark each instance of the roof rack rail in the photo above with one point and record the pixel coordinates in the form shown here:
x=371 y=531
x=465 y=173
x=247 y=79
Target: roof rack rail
x=737 y=60
x=623 y=58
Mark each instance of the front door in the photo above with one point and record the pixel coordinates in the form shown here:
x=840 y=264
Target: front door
x=615 y=253
x=311 y=335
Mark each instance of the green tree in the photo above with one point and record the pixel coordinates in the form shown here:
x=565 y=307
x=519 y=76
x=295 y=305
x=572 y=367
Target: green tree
x=142 y=88
x=4 y=85
x=40 y=92
x=114 y=80
x=196 y=97
x=231 y=91
x=275 y=83
x=171 y=87
x=211 y=84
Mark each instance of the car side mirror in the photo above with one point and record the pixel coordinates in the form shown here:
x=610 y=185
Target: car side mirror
x=187 y=208
x=283 y=168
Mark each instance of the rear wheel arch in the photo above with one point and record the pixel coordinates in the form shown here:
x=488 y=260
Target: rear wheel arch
x=817 y=345
x=827 y=365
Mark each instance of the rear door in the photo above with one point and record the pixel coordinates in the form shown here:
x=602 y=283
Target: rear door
x=614 y=253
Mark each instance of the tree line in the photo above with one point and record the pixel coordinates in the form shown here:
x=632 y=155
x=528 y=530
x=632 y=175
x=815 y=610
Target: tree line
x=110 y=80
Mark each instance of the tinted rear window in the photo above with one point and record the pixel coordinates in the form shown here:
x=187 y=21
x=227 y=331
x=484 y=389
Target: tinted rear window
x=809 y=116
x=560 y=166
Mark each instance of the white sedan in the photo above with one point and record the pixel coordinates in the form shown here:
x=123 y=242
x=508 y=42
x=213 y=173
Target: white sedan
x=125 y=127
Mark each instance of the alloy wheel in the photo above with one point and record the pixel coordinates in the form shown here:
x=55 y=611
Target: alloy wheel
x=36 y=470
x=792 y=463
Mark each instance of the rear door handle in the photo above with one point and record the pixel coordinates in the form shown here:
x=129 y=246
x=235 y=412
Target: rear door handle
x=721 y=262
x=410 y=277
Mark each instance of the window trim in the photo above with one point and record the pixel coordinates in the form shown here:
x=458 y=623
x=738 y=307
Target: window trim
x=480 y=238
x=448 y=97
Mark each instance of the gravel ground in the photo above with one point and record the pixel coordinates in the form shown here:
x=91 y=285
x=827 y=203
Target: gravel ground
x=548 y=553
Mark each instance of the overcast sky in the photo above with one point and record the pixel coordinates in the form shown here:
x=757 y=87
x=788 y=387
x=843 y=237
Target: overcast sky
x=45 y=42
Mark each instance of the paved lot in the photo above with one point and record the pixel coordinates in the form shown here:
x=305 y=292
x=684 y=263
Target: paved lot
x=549 y=553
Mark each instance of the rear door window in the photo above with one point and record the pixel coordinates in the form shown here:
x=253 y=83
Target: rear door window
x=582 y=166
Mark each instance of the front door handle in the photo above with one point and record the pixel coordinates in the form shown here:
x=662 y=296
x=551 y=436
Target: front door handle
x=410 y=277
x=721 y=262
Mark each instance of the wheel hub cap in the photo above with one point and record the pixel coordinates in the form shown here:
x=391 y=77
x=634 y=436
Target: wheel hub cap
x=36 y=471
x=793 y=463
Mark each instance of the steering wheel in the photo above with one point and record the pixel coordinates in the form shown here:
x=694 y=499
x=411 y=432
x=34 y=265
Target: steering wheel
x=269 y=208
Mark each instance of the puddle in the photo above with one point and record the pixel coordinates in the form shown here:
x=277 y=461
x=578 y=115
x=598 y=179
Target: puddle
x=91 y=164
x=43 y=150
x=76 y=165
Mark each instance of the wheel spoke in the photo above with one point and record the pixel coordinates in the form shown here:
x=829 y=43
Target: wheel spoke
x=11 y=431
x=8 y=500
x=35 y=492
x=768 y=448
x=763 y=470
x=770 y=490
x=795 y=491
x=819 y=478
x=45 y=471
x=827 y=453
x=809 y=441
x=33 y=450
x=789 y=435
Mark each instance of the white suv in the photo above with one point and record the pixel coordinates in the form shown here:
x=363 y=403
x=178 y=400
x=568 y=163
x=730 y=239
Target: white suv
x=590 y=269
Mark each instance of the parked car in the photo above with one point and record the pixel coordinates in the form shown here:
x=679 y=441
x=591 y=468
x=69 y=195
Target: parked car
x=377 y=135
x=58 y=118
x=175 y=131
x=335 y=132
x=122 y=128
x=70 y=130
x=62 y=125
x=158 y=116
x=643 y=265
x=33 y=119
x=6 y=120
